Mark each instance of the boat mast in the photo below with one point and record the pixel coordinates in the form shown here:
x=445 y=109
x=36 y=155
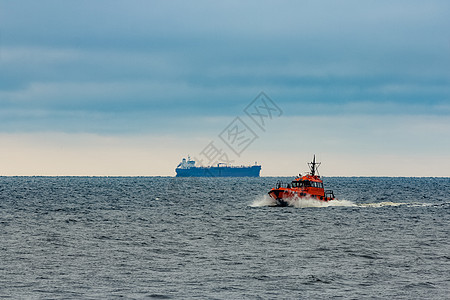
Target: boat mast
x=313 y=166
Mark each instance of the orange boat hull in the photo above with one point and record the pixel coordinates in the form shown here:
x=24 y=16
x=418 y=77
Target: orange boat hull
x=286 y=193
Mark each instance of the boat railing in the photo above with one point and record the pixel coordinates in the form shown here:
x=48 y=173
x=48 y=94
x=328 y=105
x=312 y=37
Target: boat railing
x=329 y=194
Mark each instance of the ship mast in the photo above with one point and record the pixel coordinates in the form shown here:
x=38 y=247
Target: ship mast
x=313 y=166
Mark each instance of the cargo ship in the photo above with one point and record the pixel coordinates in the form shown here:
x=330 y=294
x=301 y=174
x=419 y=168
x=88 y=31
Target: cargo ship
x=187 y=168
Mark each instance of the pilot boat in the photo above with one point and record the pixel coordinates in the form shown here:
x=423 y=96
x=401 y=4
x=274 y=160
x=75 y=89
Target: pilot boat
x=307 y=186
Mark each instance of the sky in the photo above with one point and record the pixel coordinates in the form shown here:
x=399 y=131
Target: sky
x=129 y=88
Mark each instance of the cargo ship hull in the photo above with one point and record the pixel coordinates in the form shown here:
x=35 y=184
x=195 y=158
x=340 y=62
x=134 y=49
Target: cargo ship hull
x=250 y=171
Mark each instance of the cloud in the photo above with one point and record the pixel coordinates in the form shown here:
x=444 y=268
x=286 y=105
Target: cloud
x=114 y=67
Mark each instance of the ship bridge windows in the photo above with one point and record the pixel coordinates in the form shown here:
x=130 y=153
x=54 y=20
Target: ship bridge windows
x=306 y=183
x=317 y=184
x=300 y=184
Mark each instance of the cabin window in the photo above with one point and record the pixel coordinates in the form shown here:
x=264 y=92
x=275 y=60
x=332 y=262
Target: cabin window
x=306 y=183
x=314 y=184
x=297 y=184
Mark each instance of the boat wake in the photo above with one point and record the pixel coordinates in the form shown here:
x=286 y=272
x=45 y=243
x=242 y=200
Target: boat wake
x=301 y=202
x=388 y=203
x=382 y=204
x=305 y=202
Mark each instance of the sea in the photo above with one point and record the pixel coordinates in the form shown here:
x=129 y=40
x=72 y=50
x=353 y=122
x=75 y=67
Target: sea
x=221 y=238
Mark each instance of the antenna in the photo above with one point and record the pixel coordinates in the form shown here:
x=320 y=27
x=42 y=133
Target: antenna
x=313 y=166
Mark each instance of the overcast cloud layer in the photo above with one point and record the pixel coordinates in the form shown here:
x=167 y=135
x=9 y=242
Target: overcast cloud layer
x=172 y=67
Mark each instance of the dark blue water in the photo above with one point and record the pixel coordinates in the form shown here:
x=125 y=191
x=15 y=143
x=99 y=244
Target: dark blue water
x=216 y=238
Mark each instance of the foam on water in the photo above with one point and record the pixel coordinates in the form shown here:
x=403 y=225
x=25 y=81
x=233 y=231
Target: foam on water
x=382 y=204
x=304 y=202
x=311 y=202
x=300 y=202
x=265 y=200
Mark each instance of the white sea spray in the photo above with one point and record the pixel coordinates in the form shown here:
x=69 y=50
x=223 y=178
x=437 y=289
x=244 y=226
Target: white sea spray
x=305 y=202
x=265 y=200
x=300 y=202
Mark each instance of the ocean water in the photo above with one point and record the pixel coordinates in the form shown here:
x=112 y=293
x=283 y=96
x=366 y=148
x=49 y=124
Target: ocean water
x=219 y=238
